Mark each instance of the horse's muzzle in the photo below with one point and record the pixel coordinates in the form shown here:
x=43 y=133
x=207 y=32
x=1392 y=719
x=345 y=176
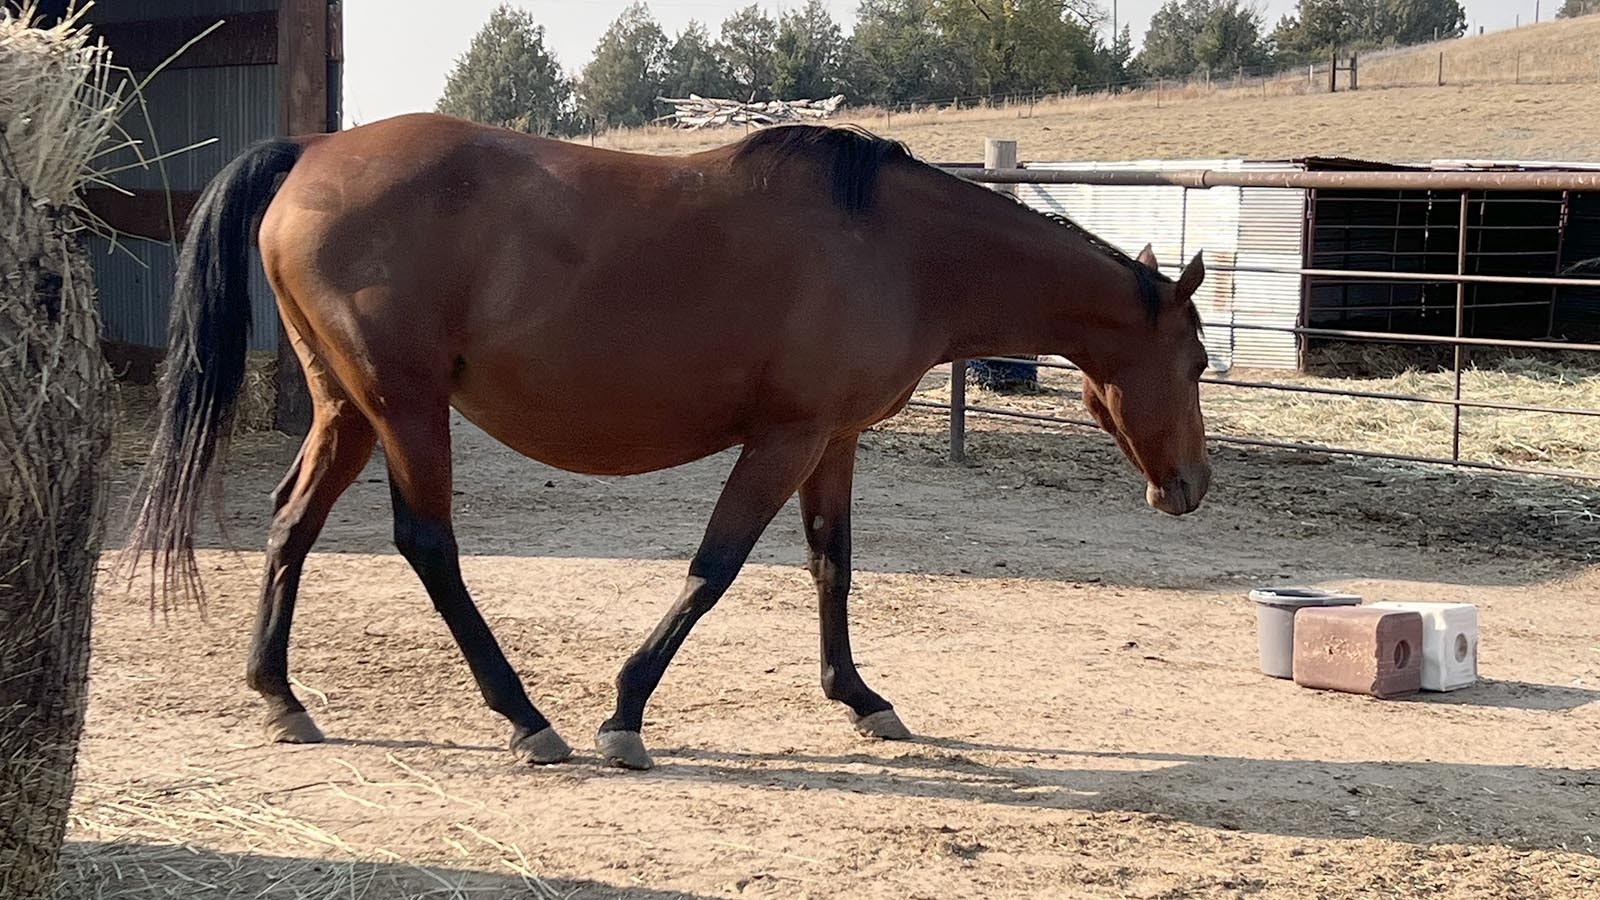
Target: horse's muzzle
x=1181 y=493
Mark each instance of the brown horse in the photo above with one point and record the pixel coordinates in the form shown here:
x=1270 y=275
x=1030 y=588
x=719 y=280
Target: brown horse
x=611 y=314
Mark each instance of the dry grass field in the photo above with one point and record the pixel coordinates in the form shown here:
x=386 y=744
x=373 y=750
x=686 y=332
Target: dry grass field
x=1413 y=124
x=1399 y=115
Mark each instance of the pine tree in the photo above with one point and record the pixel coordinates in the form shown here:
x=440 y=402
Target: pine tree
x=749 y=54
x=508 y=78
x=628 y=72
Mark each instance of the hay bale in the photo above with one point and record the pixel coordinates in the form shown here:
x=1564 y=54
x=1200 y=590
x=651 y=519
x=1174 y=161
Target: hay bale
x=55 y=114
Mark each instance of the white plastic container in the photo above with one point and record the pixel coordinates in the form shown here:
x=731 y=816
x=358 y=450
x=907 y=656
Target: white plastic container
x=1275 y=610
x=1449 y=643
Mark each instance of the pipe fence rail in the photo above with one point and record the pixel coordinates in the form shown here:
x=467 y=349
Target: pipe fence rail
x=1463 y=183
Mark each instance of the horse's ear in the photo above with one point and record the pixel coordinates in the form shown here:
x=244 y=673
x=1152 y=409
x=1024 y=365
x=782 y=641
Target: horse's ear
x=1192 y=276
x=1148 y=257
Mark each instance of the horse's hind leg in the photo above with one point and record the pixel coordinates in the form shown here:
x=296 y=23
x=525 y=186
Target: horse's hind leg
x=825 y=504
x=416 y=442
x=337 y=447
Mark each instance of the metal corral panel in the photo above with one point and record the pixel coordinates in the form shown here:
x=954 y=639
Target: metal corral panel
x=237 y=105
x=1577 y=313
x=1231 y=226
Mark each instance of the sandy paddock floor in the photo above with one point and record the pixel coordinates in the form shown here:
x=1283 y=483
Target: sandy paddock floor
x=1079 y=670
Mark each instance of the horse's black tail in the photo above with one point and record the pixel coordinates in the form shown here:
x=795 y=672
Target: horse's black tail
x=1587 y=267
x=207 y=340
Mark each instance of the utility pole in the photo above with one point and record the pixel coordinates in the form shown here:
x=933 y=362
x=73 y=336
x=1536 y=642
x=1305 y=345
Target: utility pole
x=1114 y=31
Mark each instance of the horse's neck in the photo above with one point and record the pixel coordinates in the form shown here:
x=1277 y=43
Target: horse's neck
x=1009 y=281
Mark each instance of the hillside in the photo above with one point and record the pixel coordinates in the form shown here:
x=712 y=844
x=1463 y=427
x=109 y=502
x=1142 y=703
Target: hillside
x=1400 y=114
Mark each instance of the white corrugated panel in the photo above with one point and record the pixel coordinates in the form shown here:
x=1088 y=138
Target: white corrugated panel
x=1211 y=227
x=1231 y=226
x=1271 y=234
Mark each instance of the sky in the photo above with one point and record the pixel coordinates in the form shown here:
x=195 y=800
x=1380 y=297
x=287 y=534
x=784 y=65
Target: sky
x=397 y=52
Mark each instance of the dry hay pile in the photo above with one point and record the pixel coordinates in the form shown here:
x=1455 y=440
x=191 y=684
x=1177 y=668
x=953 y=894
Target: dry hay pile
x=1506 y=437
x=56 y=113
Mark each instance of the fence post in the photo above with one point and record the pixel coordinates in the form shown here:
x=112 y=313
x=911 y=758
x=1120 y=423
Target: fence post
x=1333 y=74
x=1002 y=376
x=1441 y=68
x=1461 y=321
x=1355 y=72
x=999 y=153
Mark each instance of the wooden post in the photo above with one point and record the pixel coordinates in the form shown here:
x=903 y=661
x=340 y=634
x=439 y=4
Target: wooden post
x=1441 y=68
x=1355 y=72
x=305 y=46
x=1000 y=154
x=1333 y=74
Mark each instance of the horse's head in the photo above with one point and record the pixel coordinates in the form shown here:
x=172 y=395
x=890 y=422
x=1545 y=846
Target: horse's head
x=1144 y=388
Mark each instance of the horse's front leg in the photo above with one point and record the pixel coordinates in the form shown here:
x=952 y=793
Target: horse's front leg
x=765 y=477
x=825 y=504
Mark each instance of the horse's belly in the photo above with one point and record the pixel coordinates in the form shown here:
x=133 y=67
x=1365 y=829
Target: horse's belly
x=596 y=440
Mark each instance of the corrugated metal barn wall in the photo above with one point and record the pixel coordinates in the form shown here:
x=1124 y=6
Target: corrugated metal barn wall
x=238 y=105
x=1233 y=226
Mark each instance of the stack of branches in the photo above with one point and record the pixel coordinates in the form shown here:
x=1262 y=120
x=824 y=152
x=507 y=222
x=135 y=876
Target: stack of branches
x=58 y=108
x=695 y=112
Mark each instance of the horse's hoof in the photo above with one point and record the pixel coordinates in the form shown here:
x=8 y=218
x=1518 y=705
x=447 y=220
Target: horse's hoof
x=623 y=749
x=293 y=728
x=884 y=725
x=541 y=748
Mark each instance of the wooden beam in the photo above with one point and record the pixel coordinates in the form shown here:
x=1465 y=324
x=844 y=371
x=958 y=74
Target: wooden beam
x=305 y=28
x=243 y=39
x=144 y=214
x=303 y=66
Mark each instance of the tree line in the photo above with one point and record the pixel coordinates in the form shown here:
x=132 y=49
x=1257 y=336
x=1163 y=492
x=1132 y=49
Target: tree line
x=904 y=51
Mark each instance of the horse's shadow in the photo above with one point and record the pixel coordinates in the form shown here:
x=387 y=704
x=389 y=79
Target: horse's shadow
x=1524 y=807
x=1502 y=694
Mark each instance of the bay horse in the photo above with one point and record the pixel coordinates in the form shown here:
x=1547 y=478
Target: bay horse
x=611 y=314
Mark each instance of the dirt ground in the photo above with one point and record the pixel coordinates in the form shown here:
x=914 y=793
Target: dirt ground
x=1079 y=670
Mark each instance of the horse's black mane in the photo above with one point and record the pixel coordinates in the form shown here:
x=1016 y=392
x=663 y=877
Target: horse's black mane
x=1147 y=277
x=855 y=156
x=1587 y=267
